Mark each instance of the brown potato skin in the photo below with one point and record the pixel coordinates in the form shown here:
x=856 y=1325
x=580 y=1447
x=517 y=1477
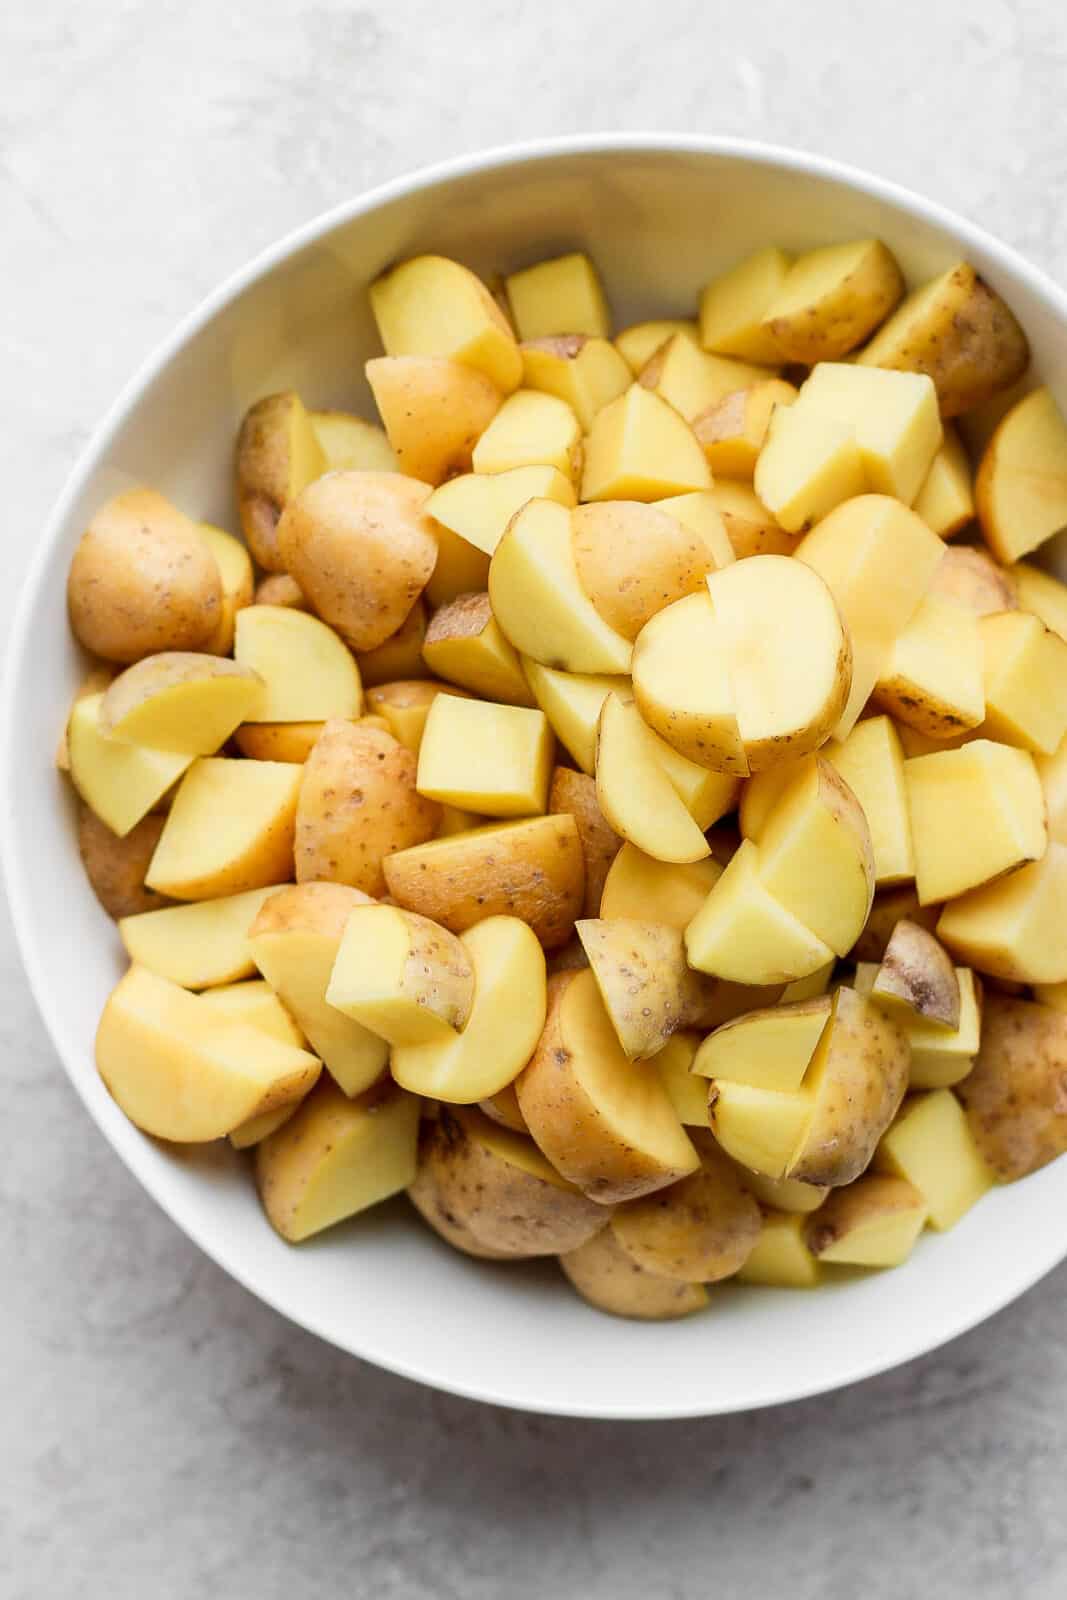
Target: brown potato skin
x=263 y=477
x=426 y=1198
x=116 y=867
x=633 y=560
x=278 y=589
x=504 y=1208
x=142 y=580
x=362 y=550
x=846 y=1209
x=532 y=870
x=918 y=972
x=700 y=1230
x=612 y=1281
x=503 y=1108
x=974 y=580
x=575 y=793
x=277 y=741
x=1015 y=1096
x=890 y=907
x=358 y=804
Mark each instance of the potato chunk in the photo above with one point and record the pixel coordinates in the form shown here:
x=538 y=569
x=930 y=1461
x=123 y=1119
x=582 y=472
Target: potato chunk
x=199 y=945
x=278 y=455
x=1014 y=928
x=605 y=1275
x=1014 y=1096
x=733 y=307
x=931 y=1147
x=700 y=1230
x=932 y=677
x=478 y=506
x=561 y=295
x=120 y=783
x=640 y=448
x=230 y=828
x=831 y=299
x=634 y=793
x=588 y=373
x=873 y=1222
x=430 y=306
x=492 y=759
x=308 y=672
x=401 y=975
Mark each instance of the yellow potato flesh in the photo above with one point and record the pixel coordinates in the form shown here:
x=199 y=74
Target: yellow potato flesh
x=181 y=1072
x=768 y=1049
x=1024 y=669
x=786 y=1194
x=350 y=444
x=635 y=794
x=744 y=934
x=874 y=1222
x=1042 y=594
x=530 y=430
x=235 y=570
x=932 y=677
x=1021 y=489
x=479 y=506
x=309 y=673
x=196 y=946
x=893 y=417
x=734 y=306
x=587 y=373
x=809 y=464
x=402 y=976
x=1052 y=770
x=760 y=1128
x=539 y=602
x=430 y=306
x=639 y=343
x=946 y=500
x=180 y=701
x=684 y=686
x=230 y=828
x=976 y=813
x=733 y=431
x=687 y=1093
x=464 y=644
x=699 y=512
x=640 y=448
x=572 y=702
x=120 y=783
x=563 y=295
x=750 y=527
x=1014 y=928
x=692 y=380
x=639 y=886
x=832 y=298
x=336 y=1157
x=781 y=1258
x=496 y=760
x=871 y=761
x=940 y=1057
x=254 y=1001
x=931 y=1146
x=504 y=1025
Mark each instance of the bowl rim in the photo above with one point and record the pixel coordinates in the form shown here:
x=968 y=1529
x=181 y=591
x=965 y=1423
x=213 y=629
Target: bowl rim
x=898 y=196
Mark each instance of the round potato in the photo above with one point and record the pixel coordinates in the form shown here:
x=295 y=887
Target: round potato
x=699 y=1230
x=362 y=549
x=357 y=805
x=633 y=560
x=116 y=867
x=278 y=589
x=611 y=1280
x=141 y=580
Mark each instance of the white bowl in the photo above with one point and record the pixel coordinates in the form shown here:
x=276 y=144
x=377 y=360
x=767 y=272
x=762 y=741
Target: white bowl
x=660 y=215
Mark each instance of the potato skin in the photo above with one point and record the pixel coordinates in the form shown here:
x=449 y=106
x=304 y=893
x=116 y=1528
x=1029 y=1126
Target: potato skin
x=611 y=1280
x=502 y=1206
x=278 y=589
x=973 y=579
x=633 y=560
x=891 y=906
x=428 y=1202
x=116 y=867
x=278 y=741
x=575 y=793
x=358 y=804
x=1015 y=1096
x=361 y=549
x=142 y=580
x=532 y=870
x=700 y=1230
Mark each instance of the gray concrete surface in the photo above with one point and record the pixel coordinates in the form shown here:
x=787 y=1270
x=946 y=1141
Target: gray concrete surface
x=162 y=1434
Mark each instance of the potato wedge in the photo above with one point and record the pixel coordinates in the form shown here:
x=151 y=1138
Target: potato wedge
x=638 y=343
x=785 y=1194
x=691 y=380
x=402 y=976
x=196 y=946
x=254 y=1001
x=751 y=528
x=229 y=828
x=235 y=574
x=873 y=1222
x=635 y=796
x=431 y=306
x=1024 y=671
x=278 y=455
x=575 y=793
x=742 y=933
x=946 y=500
x=809 y=464
x=932 y=677
x=586 y=372
x=733 y=430
x=639 y=886
x=733 y=307
x=116 y=867
x=572 y=702
x=781 y=1258
x=687 y=1093
x=1040 y=593
x=640 y=448
x=477 y=506
x=931 y=1146
x=648 y=990
x=831 y=299
x=279 y=741
x=700 y=1230
x=119 y=783
x=770 y=1048
x=609 y=1279
x=700 y=513
x=308 y=673
x=464 y=644
x=178 y=700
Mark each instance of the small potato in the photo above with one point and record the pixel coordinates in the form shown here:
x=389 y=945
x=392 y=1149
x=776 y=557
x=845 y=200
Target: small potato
x=116 y=867
x=497 y=1184
x=699 y=1230
x=1014 y=1096
x=141 y=580
x=633 y=560
x=278 y=454
x=361 y=548
x=357 y=805
x=426 y=1197
x=611 y=1280
x=972 y=579
x=278 y=589
x=434 y=411
x=575 y=793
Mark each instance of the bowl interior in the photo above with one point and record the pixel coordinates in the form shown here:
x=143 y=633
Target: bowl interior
x=659 y=217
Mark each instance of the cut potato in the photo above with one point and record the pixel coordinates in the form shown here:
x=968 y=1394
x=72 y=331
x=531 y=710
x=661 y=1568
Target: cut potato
x=503 y=1108
x=976 y=813
x=786 y=1194
x=959 y=331
x=1040 y=593
x=815 y=856
x=946 y=500
x=563 y=295
x=633 y=560
x=230 y=828
x=278 y=741
x=878 y=559
x=336 y=1157
x=940 y=1057
x=402 y=976
x=1052 y=770
x=538 y=599
x=751 y=529
x=809 y=464
x=916 y=981
x=434 y=412
x=831 y=299
x=1021 y=488
x=477 y=506
x=971 y=578
x=400 y=656
x=278 y=589
x=460 y=569
x=362 y=548
x=575 y=793
x=781 y=1258
x=1014 y=1096
x=706 y=795
x=254 y=1001
x=1024 y=669
x=278 y=455
x=572 y=702
x=587 y=373
x=358 y=803
x=405 y=704
x=531 y=429
x=235 y=572
x=181 y=1072
x=687 y=1093
x=116 y=867
x=873 y=1222
x=531 y=869
x=684 y=687
x=196 y=946
x=605 y=1123
x=888 y=908
x=732 y=432
x=120 y=783
x=1014 y=928
x=932 y=679
x=95 y=682
x=691 y=380
x=181 y=701
x=744 y=934
x=256 y=1129
x=759 y=1128
x=871 y=761
x=931 y=1147
x=350 y=444
x=505 y=1022
x=635 y=796
x=733 y=308
x=430 y=306
x=465 y=645
x=638 y=343
x=768 y=1049
x=699 y=512
x=493 y=759
x=294 y=941
x=893 y=416
x=640 y=448
x=496 y=1185
x=609 y=1279
x=647 y=989
x=428 y=1201
x=308 y=673
x=700 y=1230
x=640 y=887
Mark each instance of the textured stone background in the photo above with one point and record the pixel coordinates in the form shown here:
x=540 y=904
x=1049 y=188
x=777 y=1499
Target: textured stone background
x=161 y=1434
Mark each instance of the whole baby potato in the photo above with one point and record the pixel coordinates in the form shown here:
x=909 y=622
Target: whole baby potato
x=362 y=549
x=141 y=580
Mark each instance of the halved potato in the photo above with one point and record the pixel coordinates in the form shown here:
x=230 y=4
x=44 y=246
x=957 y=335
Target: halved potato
x=648 y=990
x=431 y=306
x=116 y=867
x=178 y=700
x=976 y=813
x=873 y=1222
x=640 y=448
x=831 y=299
x=633 y=792
x=505 y=1022
x=700 y=1230
x=575 y=792
x=308 y=673
x=229 y=828
x=278 y=455
x=587 y=372
x=199 y=945
x=464 y=644
x=611 y=1280
x=477 y=506
x=606 y=1123
x=770 y=1048
x=401 y=975
x=733 y=307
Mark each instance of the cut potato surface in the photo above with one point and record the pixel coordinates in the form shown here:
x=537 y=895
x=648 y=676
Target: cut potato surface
x=1021 y=488
x=687 y=1093
x=464 y=644
x=572 y=702
x=1041 y=593
x=531 y=430
x=1014 y=928
x=809 y=464
x=308 y=673
x=496 y=760
x=639 y=343
x=946 y=500
x=640 y=448
x=830 y=299
x=733 y=308
x=634 y=793
x=742 y=933
x=588 y=373
x=230 y=828
x=683 y=687
x=196 y=946
x=1024 y=669
x=931 y=1146
x=785 y=1194
x=871 y=761
x=120 y=783
x=401 y=975
x=873 y=1222
x=478 y=506
x=751 y=528
x=691 y=380
x=940 y=1057
x=976 y=813
x=181 y=701
x=430 y=306
x=893 y=417
x=638 y=886
x=733 y=430
x=563 y=295
x=916 y=981
x=769 y=1049
x=351 y=444
x=238 y=582
x=932 y=679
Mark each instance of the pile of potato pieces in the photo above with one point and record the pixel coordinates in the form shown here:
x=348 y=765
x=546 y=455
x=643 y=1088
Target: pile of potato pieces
x=614 y=815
